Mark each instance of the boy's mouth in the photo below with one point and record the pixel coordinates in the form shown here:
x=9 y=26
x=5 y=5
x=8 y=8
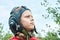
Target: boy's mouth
x=32 y=23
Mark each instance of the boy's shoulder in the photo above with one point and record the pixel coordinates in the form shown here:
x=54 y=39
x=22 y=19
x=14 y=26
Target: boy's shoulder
x=14 y=38
x=34 y=38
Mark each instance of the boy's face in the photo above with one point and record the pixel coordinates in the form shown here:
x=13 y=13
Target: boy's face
x=27 y=20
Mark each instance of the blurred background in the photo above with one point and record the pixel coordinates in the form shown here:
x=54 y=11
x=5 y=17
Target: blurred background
x=46 y=14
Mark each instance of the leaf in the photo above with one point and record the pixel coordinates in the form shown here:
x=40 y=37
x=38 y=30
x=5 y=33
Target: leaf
x=58 y=1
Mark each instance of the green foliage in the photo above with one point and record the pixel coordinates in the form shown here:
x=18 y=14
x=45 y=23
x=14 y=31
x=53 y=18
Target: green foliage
x=51 y=36
x=6 y=36
x=45 y=3
x=1 y=28
x=55 y=11
x=51 y=10
x=58 y=1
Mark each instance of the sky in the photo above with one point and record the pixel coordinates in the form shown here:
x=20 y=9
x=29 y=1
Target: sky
x=37 y=10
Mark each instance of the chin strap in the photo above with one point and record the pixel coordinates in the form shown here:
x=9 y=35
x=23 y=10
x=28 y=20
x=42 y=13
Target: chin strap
x=27 y=34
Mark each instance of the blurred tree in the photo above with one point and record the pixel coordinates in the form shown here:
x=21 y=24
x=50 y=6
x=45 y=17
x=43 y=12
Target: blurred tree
x=55 y=11
x=51 y=36
x=1 y=28
x=6 y=36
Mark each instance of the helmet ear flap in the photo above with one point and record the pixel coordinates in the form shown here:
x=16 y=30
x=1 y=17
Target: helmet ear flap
x=12 y=24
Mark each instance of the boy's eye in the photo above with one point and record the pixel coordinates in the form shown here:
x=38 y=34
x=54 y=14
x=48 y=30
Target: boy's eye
x=27 y=16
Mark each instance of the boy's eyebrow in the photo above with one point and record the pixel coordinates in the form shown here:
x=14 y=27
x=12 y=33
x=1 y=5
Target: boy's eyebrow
x=29 y=15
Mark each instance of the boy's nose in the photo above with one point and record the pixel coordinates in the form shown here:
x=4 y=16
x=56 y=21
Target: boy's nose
x=32 y=19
